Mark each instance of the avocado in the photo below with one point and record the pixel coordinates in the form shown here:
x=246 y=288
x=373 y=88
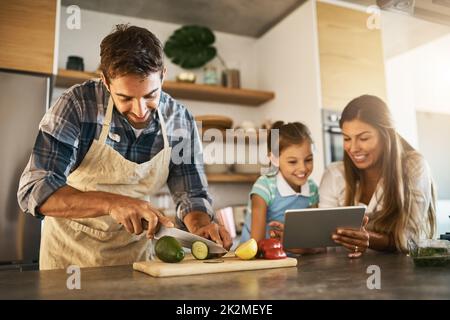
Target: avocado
x=168 y=249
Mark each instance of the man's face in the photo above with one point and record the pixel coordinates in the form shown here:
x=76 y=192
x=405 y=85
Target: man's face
x=135 y=97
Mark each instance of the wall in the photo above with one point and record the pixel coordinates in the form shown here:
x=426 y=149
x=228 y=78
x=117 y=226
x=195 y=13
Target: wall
x=416 y=75
x=417 y=83
x=289 y=65
x=433 y=128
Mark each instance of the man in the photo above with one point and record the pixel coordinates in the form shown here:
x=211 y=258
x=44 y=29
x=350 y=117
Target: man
x=103 y=149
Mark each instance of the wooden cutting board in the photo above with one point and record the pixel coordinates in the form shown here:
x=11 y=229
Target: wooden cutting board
x=191 y=266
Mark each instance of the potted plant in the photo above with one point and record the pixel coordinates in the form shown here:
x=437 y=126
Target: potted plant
x=191 y=47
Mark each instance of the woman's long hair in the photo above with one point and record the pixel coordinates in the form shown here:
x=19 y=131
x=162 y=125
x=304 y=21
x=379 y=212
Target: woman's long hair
x=397 y=217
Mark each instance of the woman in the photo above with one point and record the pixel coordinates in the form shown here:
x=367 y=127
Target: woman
x=381 y=170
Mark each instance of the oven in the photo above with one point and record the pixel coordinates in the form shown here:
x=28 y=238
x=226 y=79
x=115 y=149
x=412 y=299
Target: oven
x=332 y=136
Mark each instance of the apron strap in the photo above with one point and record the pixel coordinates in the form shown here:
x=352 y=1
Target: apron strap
x=163 y=128
x=106 y=122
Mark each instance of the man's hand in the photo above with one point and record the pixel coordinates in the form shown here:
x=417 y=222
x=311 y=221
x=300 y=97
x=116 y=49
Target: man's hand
x=199 y=223
x=133 y=214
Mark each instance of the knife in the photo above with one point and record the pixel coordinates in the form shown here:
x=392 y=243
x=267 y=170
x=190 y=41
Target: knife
x=186 y=239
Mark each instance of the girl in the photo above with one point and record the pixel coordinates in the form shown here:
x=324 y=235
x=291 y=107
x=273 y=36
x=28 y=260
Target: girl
x=286 y=188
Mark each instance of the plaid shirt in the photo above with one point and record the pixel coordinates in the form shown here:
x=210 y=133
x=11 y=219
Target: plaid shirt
x=69 y=127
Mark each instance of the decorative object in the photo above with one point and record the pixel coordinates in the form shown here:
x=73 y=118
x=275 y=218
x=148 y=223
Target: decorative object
x=75 y=63
x=212 y=121
x=231 y=78
x=190 y=46
x=210 y=75
x=188 y=77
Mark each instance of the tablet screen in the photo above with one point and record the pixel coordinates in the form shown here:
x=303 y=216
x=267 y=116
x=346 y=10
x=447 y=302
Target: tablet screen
x=312 y=228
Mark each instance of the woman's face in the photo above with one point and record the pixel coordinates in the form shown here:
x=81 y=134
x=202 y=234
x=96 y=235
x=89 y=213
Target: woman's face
x=362 y=143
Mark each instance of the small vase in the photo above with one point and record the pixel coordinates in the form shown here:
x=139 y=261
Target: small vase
x=210 y=76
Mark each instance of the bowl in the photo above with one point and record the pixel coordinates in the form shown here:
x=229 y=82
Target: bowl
x=217 y=168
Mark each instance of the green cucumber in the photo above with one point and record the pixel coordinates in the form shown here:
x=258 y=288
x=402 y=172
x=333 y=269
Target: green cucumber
x=200 y=250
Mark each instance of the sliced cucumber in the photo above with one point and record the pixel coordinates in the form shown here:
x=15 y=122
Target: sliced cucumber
x=200 y=250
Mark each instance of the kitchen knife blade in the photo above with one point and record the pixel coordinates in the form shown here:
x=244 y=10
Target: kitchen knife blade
x=186 y=239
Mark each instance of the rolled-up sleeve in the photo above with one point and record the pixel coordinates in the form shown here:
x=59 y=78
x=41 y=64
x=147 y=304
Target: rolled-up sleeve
x=187 y=180
x=53 y=155
x=420 y=183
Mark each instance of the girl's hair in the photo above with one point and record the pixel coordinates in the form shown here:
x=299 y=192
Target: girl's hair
x=292 y=133
x=397 y=214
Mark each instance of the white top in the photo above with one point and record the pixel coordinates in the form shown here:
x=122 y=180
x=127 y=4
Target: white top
x=137 y=132
x=332 y=190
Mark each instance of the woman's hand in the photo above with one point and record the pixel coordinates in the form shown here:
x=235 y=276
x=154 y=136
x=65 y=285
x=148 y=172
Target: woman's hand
x=356 y=241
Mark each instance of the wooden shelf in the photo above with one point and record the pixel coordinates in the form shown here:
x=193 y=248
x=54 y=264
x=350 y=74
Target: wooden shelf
x=237 y=137
x=190 y=91
x=68 y=78
x=203 y=92
x=232 y=177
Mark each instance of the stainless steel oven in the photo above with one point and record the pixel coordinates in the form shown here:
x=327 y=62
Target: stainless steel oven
x=332 y=134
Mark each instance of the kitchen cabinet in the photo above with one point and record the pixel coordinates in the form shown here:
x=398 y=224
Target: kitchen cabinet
x=350 y=55
x=28 y=35
x=200 y=92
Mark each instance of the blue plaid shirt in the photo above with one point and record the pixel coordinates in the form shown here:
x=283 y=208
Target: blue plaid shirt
x=68 y=128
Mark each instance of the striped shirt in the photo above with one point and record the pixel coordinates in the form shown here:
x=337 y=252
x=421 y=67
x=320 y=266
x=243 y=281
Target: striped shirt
x=69 y=127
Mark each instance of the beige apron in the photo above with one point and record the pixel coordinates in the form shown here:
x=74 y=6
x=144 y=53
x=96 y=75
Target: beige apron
x=101 y=241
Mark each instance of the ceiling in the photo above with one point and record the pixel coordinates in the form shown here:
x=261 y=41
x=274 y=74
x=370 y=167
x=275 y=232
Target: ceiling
x=241 y=17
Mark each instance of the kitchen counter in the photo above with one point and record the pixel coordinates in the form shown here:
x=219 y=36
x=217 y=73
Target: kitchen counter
x=328 y=275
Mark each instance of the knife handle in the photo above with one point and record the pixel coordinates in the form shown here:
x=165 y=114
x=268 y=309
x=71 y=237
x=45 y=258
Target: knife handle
x=145 y=225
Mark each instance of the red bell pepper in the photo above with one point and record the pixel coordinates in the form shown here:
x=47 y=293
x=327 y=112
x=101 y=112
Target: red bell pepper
x=276 y=253
x=271 y=249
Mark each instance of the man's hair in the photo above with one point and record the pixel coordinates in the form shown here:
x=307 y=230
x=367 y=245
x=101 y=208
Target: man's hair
x=130 y=50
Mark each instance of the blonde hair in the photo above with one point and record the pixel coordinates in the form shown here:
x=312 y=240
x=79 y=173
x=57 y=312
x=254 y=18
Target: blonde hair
x=397 y=216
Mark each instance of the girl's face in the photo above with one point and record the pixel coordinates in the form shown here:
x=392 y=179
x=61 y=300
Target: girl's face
x=296 y=164
x=362 y=143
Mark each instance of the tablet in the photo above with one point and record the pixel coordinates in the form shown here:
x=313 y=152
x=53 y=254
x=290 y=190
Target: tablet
x=312 y=228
